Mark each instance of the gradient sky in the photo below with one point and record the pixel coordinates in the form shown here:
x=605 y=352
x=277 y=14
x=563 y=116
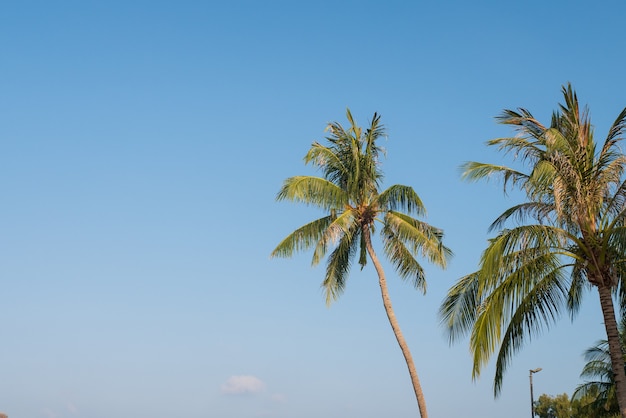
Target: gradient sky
x=142 y=144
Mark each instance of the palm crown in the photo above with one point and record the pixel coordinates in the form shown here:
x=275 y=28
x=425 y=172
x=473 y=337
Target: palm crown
x=349 y=193
x=569 y=234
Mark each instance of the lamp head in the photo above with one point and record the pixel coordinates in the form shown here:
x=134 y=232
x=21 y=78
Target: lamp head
x=538 y=369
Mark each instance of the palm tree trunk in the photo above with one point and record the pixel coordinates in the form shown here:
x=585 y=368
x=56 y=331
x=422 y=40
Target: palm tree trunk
x=615 y=349
x=419 y=395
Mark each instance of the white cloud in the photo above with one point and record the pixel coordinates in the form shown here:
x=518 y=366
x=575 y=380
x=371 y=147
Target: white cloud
x=240 y=385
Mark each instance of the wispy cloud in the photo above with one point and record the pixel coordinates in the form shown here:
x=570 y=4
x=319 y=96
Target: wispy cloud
x=241 y=385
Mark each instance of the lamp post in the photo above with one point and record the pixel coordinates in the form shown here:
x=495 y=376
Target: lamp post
x=532 y=400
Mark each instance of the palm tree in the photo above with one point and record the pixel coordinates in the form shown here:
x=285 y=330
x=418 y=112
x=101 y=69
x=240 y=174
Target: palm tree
x=598 y=394
x=349 y=193
x=569 y=236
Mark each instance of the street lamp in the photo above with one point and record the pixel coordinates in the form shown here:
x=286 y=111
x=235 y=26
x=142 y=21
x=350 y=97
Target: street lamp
x=532 y=400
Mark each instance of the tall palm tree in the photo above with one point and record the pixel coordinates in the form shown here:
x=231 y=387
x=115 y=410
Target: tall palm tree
x=349 y=193
x=567 y=236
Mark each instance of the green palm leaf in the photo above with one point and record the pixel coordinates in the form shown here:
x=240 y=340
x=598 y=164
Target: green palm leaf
x=313 y=191
x=421 y=238
x=338 y=266
x=401 y=198
x=303 y=238
x=461 y=306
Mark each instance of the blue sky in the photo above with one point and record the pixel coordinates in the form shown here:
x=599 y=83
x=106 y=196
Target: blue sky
x=142 y=144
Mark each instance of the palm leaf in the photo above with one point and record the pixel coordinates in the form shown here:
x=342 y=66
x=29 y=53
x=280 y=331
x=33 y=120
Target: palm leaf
x=460 y=307
x=474 y=171
x=420 y=238
x=313 y=191
x=403 y=260
x=338 y=266
x=332 y=234
x=537 y=311
x=303 y=238
x=401 y=198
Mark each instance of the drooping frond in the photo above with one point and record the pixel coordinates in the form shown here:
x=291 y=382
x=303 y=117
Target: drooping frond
x=579 y=283
x=333 y=233
x=538 y=310
x=313 y=191
x=540 y=185
x=512 y=248
x=524 y=147
x=420 y=238
x=519 y=290
x=400 y=198
x=512 y=311
x=515 y=305
x=303 y=238
x=521 y=212
x=460 y=307
x=403 y=259
x=474 y=171
x=339 y=263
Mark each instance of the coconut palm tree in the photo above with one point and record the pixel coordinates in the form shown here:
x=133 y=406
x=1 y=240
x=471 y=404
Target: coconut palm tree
x=566 y=237
x=349 y=193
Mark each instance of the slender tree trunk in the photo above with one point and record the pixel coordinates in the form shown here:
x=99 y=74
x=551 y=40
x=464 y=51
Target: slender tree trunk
x=419 y=395
x=615 y=349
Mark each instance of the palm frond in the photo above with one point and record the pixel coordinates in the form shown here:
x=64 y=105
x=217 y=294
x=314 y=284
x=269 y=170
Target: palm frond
x=540 y=185
x=617 y=129
x=303 y=238
x=460 y=307
x=420 y=238
x=579 y=284
x=524 y=122
x=332 y=234
x=536 y=311
x=523 y=147
x=403 y=260
x=519 y=289
x=513 y=248
x=474 y=171
x=400 y=198
x=338 y=265
x=313 y=191
x=326 y=158
x=525 y=296
x=522 y=212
